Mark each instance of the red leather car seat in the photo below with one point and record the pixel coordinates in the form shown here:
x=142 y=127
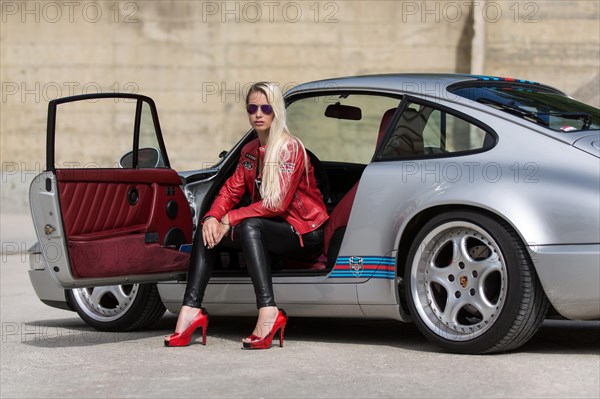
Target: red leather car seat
x=407 y=139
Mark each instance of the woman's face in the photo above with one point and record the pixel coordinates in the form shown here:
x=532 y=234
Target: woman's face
x=260 y=120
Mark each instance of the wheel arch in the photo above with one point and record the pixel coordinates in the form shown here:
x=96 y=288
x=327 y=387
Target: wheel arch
x=413 y=226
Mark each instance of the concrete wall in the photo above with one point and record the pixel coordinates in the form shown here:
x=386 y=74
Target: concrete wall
x=554 y=42
x=196 y=57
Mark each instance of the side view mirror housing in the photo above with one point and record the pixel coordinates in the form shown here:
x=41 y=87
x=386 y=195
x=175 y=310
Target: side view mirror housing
x=147 y=158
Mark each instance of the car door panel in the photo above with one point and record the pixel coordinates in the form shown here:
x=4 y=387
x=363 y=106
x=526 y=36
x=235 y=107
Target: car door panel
x=108 y=231
x=109 y=223
x=92 y=210
x=123 y=256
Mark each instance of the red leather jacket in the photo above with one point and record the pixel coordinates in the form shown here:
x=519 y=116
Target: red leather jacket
x=302 y=204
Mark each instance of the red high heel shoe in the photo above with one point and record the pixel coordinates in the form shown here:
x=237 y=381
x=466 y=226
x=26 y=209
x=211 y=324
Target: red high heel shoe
x=265 y=342
x=183 y=338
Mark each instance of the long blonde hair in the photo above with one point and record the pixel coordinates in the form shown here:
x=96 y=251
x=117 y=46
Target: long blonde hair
x=281 y=147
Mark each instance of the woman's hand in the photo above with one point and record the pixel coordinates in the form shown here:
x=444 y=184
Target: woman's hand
x=213 y=231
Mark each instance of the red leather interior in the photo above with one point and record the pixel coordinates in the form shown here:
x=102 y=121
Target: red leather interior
x=339 y=217
x=124 y=255
x=159 y=176
x=385 y=121
x=106 y=235
x=90 y=207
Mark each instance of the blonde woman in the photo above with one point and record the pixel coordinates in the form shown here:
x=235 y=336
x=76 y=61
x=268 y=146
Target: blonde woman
x=284 y=218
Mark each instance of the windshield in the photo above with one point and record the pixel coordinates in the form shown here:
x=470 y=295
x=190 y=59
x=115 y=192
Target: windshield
x=541 y=105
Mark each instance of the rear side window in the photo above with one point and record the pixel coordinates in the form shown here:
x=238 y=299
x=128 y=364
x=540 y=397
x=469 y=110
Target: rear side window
x=425 y=131
x=538 y=104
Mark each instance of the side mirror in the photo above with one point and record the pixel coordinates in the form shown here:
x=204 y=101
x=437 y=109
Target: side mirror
x=343 y=112
x=147 y=158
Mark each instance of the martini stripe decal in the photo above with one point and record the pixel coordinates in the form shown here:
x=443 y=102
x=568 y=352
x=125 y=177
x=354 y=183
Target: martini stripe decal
x=364 y=267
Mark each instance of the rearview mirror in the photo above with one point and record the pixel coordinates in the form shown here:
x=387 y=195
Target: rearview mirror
x=343 y=112
x=147 y=158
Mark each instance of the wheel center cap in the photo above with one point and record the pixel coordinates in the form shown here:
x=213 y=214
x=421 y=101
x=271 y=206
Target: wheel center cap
x=463 y=281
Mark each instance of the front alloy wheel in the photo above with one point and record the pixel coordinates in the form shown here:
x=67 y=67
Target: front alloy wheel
x=117 y=307
x=471 y=285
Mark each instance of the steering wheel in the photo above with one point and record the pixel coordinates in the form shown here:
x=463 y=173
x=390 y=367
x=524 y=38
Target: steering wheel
x=320 y=175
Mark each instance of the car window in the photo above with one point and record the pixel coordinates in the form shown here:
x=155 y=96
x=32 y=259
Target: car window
x=424 y=131
x=96 y=133
x=149 y=155
x=341 y=127
x=535 y=103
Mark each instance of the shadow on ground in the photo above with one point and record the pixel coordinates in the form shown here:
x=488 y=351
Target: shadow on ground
x=555 y=336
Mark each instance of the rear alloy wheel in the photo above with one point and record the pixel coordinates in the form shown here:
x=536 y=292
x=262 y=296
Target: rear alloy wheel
x=117 y=307
x=471 y=285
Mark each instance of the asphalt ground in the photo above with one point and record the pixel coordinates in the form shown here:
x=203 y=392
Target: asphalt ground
x=47 y=352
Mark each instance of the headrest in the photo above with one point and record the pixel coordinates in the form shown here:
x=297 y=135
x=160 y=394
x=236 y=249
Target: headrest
x=385 y=121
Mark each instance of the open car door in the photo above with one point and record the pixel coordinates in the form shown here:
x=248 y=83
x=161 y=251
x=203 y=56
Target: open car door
x=108 y=209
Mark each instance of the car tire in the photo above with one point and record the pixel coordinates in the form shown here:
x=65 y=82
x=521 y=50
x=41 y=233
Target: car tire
x=117 y=307
x=471 y=285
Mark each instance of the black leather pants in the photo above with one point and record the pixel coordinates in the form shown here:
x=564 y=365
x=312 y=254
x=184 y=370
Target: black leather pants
x=257 y=238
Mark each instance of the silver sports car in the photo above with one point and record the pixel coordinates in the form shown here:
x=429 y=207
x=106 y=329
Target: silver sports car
x=469 y=205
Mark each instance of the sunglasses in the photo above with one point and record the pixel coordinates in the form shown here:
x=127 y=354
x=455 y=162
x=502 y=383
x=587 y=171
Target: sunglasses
x=265 y=108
